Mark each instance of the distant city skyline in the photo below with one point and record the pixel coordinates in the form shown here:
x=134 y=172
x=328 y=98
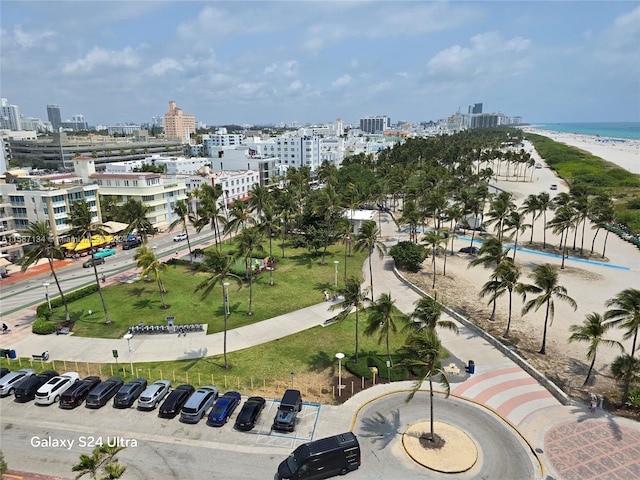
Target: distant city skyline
x=312 y=62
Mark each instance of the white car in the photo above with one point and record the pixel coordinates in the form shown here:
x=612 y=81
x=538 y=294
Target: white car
x=11 y=380
x=50 y=392
x=179 y=237
x=153 y=394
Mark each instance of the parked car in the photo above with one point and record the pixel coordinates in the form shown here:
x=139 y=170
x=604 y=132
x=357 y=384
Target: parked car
x=179 y=237
x=175 y=401
x=104 y=252
x=103 y=392
x=197 y=404
x=553 y=187
x=4 y=371
x=77 y=393
x=472 y=250
x=153 y=394
x=93 y=261
x=249 y=413
x=129 y=393
x=288 y=409
x=50 y=392
x=10 y=381
x=27 y=390
x=223 y=409
x=131 y=243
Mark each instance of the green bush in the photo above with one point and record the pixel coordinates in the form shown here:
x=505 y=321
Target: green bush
x=42 y=326
x=365 y=361
x=408 y=255
x=634 y=397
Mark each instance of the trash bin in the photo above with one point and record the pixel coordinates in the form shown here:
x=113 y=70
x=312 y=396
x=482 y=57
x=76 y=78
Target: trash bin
x=472 y=366
x=12 y=354
x=4 y=353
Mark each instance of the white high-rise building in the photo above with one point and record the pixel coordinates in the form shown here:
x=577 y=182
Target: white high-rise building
x=10 y=115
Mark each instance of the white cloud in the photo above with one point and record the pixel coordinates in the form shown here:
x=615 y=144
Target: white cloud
x=164 y=65
x=617 y=46
x=342 y=81
x=32 y=39
x=100 y=57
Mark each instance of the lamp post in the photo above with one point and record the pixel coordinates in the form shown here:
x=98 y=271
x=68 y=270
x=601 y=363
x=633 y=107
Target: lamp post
x=335 y=282
x=46 y=294
x=339 y=356
x=225 y=285
x=128 y=337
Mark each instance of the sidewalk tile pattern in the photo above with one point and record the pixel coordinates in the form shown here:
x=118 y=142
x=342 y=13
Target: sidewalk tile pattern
x=593 y=449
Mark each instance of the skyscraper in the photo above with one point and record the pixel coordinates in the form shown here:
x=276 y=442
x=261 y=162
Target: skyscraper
x=475 y=109
x=11 y=115
x=375 y=124
x=53 y=112
x=178 y=124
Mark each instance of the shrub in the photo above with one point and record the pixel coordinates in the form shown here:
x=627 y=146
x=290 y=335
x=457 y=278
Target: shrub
x=42 y=326
x=408 y=255
x=365 y=361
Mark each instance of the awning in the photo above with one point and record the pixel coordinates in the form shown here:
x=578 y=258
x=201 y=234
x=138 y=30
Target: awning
x=4 y=262
x=96 y=241
x=114 y=227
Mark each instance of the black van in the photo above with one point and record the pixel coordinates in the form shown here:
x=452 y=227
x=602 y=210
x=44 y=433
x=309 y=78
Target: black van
x=324 y=458
x=289 y=407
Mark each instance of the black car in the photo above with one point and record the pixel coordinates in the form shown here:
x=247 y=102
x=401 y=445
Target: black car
x=27 y=390
x=93 y=261
x=175 y=401
x=131 y=243
x=129 y=393
x=472 y=250
x=249 y=413
x=76 y=393
x=103 y=392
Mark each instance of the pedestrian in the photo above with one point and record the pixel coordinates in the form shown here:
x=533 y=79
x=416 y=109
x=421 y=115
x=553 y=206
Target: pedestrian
x=594 y=404
x=5 y=328
x=103 y=278
x=326 y=296
x=335 y=297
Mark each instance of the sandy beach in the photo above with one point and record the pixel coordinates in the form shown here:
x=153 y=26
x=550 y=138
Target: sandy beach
x=623 y=152
x=590 y=282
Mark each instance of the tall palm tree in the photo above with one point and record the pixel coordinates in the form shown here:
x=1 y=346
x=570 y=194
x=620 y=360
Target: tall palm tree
x=327 y=203
x=183 y=214
x=515 y=223
x=603 y=214
x=503 y=280
x=148 y=261
x=626 y=314
x=544 y=204
x=259 y=199
x=367 y=239
x=39 y=232
x=437 y=242
x=354 y=300
x=427 y=314
x=250 y=241
x=626 y=369
x=562 y=221
x=210 y=212
x=422 y=352
x=591 y=331
x=267 y=224
x=491 y=253
x=239 y=217
x=84 y=227
x=218 y=265
x=383 y=316
x=531 y=205
x=411 y=217
x=499 y=209
x=134 y=214
x=547 y=289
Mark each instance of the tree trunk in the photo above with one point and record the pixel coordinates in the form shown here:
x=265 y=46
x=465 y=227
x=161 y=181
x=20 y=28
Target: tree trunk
x=544 y=333
x=506 y=332
x=593 y=361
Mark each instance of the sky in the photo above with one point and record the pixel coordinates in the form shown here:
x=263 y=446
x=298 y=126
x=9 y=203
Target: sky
x=266 y=62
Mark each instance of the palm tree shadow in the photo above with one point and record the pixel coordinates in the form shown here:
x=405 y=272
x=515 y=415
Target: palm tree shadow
x=381 y=429
x=145 y=303
x=320 y=361
x=137 y=292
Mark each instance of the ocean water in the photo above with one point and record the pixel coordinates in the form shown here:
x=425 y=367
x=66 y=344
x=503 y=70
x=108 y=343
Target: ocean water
x=626 y=130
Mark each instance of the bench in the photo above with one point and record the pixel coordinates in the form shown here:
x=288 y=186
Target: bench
x=43 y=357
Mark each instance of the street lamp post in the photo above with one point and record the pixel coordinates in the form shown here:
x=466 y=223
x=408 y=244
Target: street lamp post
x=128 y=337
x=335 y=282
x=226 y=300
x=46 y=294
x=339 y=356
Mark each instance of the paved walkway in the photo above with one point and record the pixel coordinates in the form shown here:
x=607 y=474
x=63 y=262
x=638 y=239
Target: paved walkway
x=572 y=443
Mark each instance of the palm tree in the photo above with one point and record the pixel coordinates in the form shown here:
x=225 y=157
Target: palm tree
x=626 y=314
x=603 y=215
x=500 y=208
x=134 y=214
x=491 y=253
x=83 y=227
x=327 y=204
x=591 y=331
x=249 y=241
x=544 y=204
x=545 y=278
x=219 y=265
x=626 y=369
x=531 y=205
x=39 y=232
x=354 y=299
x=114 y=470
x=267 y=225
x=87 y=464
x=148 y=261
x=437 y=241
x=367 y=239
x=182 y=213
x=426 y=315
x=382 y=318
x=515 y=223
x=505 y=278
x=209 y=212
x=239 y=217
x=260 y=198
x=422 y=353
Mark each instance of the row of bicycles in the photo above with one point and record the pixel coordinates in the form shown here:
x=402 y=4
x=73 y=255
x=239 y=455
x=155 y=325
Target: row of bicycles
x=154 y=329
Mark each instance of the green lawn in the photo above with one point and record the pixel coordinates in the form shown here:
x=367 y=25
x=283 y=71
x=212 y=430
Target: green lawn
x=299 y=281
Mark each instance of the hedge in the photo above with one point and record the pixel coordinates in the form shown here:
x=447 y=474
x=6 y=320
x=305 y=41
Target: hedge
x=42 y=326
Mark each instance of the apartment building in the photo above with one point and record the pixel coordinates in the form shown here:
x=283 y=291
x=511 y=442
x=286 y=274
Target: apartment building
x=178 y=124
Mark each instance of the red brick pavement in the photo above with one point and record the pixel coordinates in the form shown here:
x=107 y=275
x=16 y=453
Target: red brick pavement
x=33 y=271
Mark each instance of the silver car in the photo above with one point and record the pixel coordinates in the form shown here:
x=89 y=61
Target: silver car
x=11 y=380
x=197 y=404
x=153 y=394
